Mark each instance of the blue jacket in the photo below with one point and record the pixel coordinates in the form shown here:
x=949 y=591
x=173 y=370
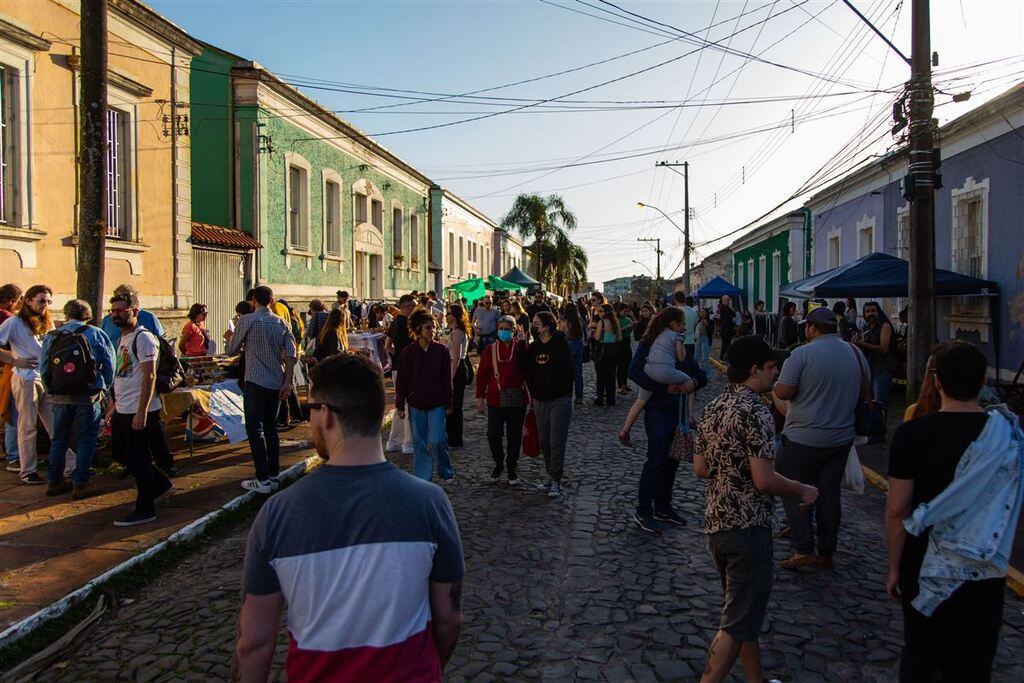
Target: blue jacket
x=146 y=319
x=99 y=344
x=661 y=398
x=972 y=521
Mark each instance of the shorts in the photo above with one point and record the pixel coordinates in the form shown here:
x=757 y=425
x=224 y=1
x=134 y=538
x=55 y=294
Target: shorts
x=744 y=558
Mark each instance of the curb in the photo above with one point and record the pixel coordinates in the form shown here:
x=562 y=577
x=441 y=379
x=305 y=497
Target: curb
x=192 y=530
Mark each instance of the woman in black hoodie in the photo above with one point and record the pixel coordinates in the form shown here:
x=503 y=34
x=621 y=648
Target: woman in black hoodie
x=547 y=365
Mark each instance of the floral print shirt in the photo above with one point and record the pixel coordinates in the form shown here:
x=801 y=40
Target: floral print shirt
x=733 y=428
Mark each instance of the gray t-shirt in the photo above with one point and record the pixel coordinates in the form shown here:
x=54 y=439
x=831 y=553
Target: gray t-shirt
x=828 y=380
x=486 y=320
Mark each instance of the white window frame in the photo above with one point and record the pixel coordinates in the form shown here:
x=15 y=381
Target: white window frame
x=128 y=105
x=762 y=279
x=303 y=251
x=462 y=256
x=397 y=230
x=414 y=240
x=19 y=62
x=837 y=235
x=749 y=279
x=451 y=254
x=331 y=177
x=969 y=308
x=864 y=225
x=903 y=232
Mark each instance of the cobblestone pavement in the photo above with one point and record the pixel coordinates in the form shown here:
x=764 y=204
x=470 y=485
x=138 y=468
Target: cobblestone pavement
x=563 y=589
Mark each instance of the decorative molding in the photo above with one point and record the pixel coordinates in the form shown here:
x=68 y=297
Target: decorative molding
x=143 y=16
x=20 y=36
x=120 y=81
x=22 y=242
x=117 y=250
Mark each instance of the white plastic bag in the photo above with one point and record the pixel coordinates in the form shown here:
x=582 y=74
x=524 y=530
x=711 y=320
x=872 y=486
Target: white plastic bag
x=853 y=477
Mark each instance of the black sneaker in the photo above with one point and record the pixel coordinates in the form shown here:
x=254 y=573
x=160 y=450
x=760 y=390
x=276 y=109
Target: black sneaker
x=33 y=479
x=135 y=519
x=496 y=473
x=646 y=523
x=670 y=517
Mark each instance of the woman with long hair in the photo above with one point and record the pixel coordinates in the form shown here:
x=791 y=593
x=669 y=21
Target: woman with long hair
x=606 y=336
x=24 y=333
x=571 y=326
x=705 y=329
x=332 y=339
x=522 y=318
x=194 y=340
x=788 y=331
x=461 y=369
x=315 y=320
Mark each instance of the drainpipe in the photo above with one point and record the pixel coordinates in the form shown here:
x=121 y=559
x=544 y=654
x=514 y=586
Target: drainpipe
x=175 y=291
x=808 y=236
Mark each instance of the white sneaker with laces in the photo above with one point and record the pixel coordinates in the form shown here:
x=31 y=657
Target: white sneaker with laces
x=258 y=486
x=275 y=483
x=555 y=491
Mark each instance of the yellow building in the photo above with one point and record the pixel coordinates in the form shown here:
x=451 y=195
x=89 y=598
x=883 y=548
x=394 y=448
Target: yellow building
x=149 y=194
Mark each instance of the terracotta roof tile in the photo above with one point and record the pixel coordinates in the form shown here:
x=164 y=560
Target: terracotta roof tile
x=218 y=236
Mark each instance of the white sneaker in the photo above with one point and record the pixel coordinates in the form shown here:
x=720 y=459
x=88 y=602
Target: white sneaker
x=555 y=491
x=258 y=486
x=544 y=485
x=513 y=482
x=275 y=483
x=14 y=467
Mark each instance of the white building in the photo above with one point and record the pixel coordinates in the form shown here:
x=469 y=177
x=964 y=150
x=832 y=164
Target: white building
x=508 y=252
x=467 y=240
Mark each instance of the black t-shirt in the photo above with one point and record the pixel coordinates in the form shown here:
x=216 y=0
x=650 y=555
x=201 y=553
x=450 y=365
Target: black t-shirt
x=399 y=333
x=534 y=309
x=927 y=451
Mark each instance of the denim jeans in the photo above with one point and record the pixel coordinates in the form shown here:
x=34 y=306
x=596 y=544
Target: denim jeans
x=576 y=347
x=11 y=435
x=881 y=387
x=260 y=406
x=659 y=473
x=87 y=418
x=429 y=441
x=704 y=354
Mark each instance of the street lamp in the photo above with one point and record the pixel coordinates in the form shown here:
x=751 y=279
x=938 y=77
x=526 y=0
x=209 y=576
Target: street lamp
x=657 y=284
x=686 y=238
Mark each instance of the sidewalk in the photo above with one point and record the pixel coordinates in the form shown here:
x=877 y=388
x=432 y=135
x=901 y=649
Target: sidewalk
x=50 y=547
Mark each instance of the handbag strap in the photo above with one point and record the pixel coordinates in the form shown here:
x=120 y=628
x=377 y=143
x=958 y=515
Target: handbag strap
x=494 y=362
x=865 y=385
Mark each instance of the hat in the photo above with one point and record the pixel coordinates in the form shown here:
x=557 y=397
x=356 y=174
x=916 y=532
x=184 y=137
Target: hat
x=822 y=316
x=751 y=350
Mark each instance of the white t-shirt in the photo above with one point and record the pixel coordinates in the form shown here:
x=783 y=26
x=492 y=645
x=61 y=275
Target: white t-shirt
x=128 y=370
x=23 y=343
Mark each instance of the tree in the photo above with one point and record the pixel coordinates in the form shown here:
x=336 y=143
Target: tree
x=545 y=219
x=565 y=264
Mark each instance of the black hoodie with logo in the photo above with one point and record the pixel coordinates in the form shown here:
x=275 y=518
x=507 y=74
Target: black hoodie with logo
x=548 y=368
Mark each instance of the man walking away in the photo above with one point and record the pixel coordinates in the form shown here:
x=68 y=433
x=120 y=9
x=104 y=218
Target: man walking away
x=686 y=305
x=362 y=606
x=726 y=323
x=822 y=381
x=77 y=364
x=398 y=338
x=135 y=409
x=734 y=453
x=269 y=350
x=485 y=324
x=956 y=476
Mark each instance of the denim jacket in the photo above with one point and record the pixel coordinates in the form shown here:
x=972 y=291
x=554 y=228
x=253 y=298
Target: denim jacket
x=972 y=521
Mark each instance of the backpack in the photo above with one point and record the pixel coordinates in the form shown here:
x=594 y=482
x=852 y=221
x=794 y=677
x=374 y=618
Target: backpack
x=70 y=369
x=169 y=372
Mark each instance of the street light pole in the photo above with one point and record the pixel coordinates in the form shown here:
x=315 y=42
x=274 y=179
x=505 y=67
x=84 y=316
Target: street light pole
x=645 y=267
x=686 y=217
x=659 y=252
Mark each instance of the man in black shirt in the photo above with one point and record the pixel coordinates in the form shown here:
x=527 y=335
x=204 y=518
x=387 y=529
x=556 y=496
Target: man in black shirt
x=397 y=340
x=960 y=637
x=538 y=304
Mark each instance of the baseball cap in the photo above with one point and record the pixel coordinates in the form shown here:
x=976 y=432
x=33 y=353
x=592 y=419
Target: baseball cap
x=752 y=350
x=822 y=316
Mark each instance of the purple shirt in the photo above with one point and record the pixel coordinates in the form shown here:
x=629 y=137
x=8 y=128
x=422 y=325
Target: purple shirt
x=425 y=379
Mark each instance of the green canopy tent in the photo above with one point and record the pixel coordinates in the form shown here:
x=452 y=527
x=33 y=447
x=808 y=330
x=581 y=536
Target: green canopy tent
x=520 y=278
x=470 y=290
x=496 y=284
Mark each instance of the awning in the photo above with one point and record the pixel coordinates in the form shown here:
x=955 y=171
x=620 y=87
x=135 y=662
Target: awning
x=880 y=275
x=519 y=277
x=225 y=238
x=718 y=287
x=496 y=284
x=470 y=290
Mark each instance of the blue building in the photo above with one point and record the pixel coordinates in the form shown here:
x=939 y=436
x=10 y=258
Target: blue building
x=979 y=223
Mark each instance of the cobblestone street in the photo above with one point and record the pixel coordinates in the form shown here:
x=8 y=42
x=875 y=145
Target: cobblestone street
x=562 y=589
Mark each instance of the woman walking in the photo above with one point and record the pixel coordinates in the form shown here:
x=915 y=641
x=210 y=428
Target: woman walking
x=547 y=365
x=572 y=327
x=194 y=340
x=462 y=370
x=499 y=386
x=625 y=352
x=705 y=330
x=314 y=323
x=331 y=339
x=606 y=337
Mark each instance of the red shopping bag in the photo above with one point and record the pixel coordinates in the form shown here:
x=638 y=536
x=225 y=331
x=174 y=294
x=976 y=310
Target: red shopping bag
x=531 y=437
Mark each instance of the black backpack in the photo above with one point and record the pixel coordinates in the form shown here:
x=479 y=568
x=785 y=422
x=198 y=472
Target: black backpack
x=169 y=372
x=71 y=368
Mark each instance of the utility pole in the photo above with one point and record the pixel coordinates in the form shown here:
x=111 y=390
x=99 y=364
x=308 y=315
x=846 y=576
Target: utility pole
x=686 y=217
x=659 y=252
x=920 y=188
x=92 y=211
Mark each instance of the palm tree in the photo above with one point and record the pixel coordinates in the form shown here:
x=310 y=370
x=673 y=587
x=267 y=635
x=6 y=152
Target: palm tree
x=565 y=266
x=544 y=218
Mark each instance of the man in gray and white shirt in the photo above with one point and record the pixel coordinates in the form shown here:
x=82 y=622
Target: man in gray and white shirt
x=269 y=351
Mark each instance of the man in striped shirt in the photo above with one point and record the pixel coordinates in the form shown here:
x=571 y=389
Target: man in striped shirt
x=367 y=558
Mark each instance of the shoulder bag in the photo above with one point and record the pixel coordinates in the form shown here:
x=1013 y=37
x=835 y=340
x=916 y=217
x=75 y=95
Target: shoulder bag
x=870 y=415
x=508 y=397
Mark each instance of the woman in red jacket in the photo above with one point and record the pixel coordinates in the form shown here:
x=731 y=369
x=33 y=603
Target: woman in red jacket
x=499 y=382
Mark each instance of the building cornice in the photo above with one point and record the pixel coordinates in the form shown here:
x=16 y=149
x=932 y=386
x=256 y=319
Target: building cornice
x=770 y=229
x=156 y=24
x=469 y=208
x=19 y=36
x=115 y=79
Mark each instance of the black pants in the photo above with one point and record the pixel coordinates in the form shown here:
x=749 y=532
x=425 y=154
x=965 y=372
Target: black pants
x=605 y=367
x=260 y=406
x=822 y=467
x=959 y=639
x=625 y=355
x=507 y=423
x=162 y=457
x=453 y=424
x=659 y=473
x=136 y=448
x=726 y=341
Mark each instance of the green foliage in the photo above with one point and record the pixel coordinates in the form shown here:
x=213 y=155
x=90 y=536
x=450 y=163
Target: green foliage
x=548 y=222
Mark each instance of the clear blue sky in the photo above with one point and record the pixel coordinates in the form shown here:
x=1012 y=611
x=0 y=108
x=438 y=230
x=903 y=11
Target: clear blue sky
x=458 y=47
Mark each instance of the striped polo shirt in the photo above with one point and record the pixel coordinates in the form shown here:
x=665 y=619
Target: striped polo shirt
x=354 y=549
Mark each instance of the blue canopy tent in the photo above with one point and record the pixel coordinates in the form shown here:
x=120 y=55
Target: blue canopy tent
x=718 y=287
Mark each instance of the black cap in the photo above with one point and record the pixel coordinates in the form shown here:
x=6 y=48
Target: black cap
x=751 y=350
x=822 y=316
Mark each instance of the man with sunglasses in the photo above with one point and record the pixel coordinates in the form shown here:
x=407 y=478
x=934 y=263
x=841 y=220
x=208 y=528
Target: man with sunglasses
x=374 y=589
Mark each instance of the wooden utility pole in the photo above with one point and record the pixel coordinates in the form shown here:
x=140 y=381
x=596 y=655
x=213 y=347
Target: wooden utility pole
x=92 y=164
x=920 y=190
x=686 y=217
x=657 y=250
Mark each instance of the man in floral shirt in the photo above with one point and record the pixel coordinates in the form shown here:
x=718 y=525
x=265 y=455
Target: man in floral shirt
x=735 y=454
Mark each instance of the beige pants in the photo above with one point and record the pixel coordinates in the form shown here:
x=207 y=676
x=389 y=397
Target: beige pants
x=33 y=403
x=400 y=438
